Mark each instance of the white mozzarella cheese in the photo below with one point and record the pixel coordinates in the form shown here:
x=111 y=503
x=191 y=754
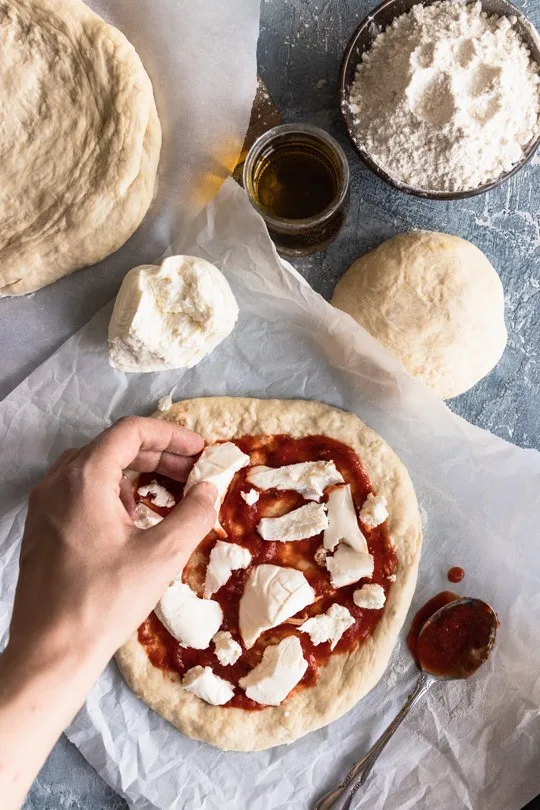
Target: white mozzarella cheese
x=328 y=626
x=170 y=316
x=192 y=621
x=144 y=517
x=228 y=651
x=299 y=524
x=218 y=464
x=157 y=494
x=348 y=566
x=342 y=521
x=251 y=497
x=320 y=556
x=309 y=478
x=272 y=595
x=282 y=666
x=370 y=596
x=207 y=686
x=374 y=511
x=224 y=559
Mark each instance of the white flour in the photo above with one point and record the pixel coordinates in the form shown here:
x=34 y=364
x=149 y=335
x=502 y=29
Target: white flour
x=447 y=98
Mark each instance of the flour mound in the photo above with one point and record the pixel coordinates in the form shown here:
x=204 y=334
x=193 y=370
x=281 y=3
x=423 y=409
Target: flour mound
x=448 y=98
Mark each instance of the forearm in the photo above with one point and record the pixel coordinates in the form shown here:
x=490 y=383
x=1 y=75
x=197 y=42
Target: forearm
x=39 y=695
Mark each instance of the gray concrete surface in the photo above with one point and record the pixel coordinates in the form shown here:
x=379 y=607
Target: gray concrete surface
x=299 y=53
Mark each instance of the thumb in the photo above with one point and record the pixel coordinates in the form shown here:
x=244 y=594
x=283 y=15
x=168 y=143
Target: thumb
x=182 y=530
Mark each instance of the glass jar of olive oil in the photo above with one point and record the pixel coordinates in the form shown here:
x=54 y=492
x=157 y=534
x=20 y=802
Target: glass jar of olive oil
x=297 y=177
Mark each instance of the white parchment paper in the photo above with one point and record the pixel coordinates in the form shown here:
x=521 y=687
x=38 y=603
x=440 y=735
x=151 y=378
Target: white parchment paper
x=469 y=745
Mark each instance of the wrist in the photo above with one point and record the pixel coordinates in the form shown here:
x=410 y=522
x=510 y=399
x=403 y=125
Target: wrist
x=68 y=665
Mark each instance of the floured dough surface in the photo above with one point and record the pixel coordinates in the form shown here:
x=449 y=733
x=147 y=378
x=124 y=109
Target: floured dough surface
x=435 y=302
x=347 y=677
x=80 y=140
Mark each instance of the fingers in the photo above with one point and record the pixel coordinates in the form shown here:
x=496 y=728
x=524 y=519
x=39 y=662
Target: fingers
x=184 y=528
x=143 y=444
x=126 y=495
x=65 y=458
x=169 y=464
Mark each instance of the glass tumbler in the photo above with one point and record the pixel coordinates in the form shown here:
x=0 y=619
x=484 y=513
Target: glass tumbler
x=297 y=177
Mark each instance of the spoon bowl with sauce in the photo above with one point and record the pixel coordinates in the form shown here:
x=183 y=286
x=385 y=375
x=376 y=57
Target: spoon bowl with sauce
x=450 y=638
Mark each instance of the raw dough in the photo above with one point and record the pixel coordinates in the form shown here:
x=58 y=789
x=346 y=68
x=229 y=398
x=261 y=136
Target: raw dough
x=346 y=677
x=435 y=302
x=80 y=141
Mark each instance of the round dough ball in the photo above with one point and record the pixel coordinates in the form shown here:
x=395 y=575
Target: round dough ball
x=435 y=302
x=79 y=137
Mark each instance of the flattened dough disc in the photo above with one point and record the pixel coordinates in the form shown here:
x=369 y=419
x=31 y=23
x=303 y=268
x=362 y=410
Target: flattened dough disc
x=347 y=677
x=79 y=137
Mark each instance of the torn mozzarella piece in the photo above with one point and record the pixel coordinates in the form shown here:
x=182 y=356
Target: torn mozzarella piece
x=369 y=596
x=374 y=511
x=192 y=621
x=272 y=595
x=144 y=517
x=207 y=686
x=299 y=524
x=157 y=494
x=250 y=497
x=348 y=566
x=228 y=651
x=224 y=559
x=170 y=316
x=328 y=626
x=320 y=556
x=342 y=521
x=309 y=478
x=282 y=667
x=165 y=403
x=218 y=464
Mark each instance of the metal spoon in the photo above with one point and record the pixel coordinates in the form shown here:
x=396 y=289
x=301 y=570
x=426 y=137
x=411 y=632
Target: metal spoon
x=342 y=797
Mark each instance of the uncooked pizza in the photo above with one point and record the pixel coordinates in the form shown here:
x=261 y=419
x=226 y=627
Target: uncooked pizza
x=287 y=612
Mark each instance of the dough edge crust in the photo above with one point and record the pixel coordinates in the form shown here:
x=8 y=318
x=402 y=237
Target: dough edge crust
x=346 y=678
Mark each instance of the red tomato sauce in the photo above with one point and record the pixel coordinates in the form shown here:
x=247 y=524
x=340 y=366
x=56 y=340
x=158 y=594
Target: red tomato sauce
x=455 y=643
x=240 y=522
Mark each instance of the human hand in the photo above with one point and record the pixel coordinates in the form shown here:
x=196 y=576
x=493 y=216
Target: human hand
x=88 y=576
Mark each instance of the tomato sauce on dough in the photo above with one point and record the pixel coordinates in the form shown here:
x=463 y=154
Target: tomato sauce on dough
x=240 y=522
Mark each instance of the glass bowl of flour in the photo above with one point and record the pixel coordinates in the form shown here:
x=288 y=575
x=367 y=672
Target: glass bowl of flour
x=441 y=98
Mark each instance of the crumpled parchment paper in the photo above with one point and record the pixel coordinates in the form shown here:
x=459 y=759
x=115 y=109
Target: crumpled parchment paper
x=469 y=745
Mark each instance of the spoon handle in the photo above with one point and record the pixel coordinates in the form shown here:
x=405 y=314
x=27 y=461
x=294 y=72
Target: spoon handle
x=341 y=798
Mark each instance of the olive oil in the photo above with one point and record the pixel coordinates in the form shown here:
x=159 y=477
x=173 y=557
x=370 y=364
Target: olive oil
x=297 y=177
x=296 y=181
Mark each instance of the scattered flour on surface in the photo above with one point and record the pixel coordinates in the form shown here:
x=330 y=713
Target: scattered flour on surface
x=448 y=98
x=395 y=672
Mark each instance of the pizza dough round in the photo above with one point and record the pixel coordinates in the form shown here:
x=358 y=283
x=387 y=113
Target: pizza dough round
x=435 y=302
x=347 y=677
x=80 y=140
